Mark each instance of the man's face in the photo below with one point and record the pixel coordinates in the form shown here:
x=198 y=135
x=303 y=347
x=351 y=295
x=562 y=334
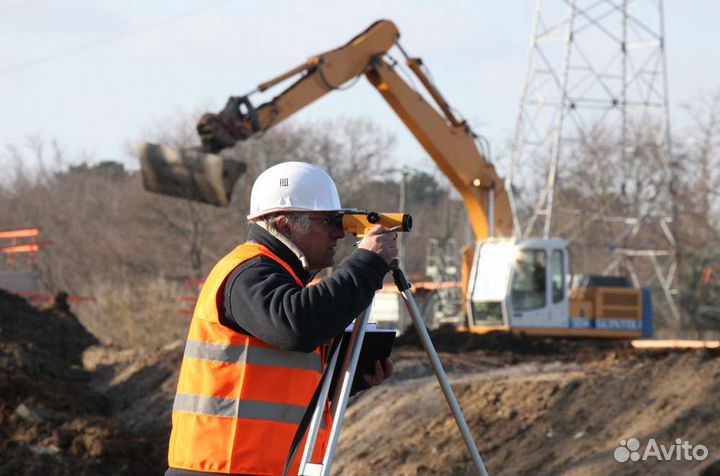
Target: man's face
x=319 y=242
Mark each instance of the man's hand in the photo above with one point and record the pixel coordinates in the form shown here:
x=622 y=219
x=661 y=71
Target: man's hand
x=383 y=371
x=380 y=241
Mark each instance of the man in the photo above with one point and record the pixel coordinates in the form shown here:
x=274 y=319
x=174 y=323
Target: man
x=258 y=340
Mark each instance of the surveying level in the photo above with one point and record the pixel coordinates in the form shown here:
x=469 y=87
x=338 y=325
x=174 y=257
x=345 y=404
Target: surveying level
x=359 y=222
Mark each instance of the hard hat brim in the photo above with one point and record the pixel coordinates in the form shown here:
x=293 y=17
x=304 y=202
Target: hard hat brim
x=292 y=209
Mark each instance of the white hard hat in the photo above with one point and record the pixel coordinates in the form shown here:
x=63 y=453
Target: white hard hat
x=293 y=186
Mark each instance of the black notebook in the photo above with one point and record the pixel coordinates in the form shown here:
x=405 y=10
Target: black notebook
x=377 y=345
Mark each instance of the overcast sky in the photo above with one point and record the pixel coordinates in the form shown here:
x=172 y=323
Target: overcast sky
x=97 y=75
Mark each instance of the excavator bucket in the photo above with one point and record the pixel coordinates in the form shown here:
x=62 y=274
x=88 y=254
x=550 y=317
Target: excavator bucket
x=189 y=173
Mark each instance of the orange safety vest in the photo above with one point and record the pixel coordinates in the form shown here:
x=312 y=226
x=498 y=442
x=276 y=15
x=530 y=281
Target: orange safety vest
x=239 y=400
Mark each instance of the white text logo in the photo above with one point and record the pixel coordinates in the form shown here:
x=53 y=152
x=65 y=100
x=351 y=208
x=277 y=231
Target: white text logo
x=629 y=450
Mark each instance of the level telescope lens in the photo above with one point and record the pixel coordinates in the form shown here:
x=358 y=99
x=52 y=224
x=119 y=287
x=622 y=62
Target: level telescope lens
x=406 y=222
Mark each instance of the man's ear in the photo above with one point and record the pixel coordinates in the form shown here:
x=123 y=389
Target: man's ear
x=283 y=225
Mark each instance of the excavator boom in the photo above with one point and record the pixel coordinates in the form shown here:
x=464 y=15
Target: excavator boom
x=453 y=147
x=321 y=74
x=448 y=140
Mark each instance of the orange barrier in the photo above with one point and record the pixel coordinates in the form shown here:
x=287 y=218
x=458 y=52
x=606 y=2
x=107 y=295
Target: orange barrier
x=22 y=233
x=675 y=344
x=29 y=248
x=188 y=300
x=19 y=242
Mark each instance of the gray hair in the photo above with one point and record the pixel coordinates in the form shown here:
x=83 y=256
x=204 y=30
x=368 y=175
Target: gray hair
x=301 y=220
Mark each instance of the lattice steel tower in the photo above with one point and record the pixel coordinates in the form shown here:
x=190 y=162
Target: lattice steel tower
x=594 y=122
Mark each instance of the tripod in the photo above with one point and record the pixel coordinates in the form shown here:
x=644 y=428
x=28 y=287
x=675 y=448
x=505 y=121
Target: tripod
x=344 y=384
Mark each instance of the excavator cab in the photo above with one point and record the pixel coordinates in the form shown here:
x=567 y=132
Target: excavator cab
x=517 y=284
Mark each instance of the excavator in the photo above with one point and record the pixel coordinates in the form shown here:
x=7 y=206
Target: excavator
x=511 y=284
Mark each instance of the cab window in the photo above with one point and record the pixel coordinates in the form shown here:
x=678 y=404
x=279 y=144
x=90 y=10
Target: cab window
x=558 y=276
x=529 y=282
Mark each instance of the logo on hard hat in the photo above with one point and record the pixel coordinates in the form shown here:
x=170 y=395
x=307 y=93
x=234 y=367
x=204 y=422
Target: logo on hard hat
x=283 y=182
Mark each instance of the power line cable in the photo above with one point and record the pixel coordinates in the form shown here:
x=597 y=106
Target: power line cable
x=106 y=41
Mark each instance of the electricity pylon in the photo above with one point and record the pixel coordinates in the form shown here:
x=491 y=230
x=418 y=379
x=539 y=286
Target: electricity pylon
x=594 y=101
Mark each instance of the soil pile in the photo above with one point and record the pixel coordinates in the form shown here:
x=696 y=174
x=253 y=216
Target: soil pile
x=545 y=413
x=535 y=406
x=447 y=339
x=140 y=388
x=51 y=421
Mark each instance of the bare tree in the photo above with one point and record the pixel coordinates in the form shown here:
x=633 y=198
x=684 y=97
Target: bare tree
x=133 y=250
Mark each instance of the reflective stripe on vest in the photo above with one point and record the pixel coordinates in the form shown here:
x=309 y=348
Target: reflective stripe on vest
x=239 y=399
x=234 y=354
x=228 y=407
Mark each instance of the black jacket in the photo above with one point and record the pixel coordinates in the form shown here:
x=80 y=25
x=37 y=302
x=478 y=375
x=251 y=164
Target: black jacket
x=263 y=300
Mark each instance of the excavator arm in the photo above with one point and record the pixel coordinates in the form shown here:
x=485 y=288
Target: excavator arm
x=321 y=74
x=449 y=141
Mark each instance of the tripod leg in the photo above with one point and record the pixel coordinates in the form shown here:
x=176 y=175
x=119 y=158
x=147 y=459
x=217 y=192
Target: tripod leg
x=404 y=288
x=317 y=417
x=342 y=389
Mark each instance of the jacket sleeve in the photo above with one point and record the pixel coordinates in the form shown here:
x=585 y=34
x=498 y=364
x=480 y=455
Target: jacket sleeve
x=263 y=300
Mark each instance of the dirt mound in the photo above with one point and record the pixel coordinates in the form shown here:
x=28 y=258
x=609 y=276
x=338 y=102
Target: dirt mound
x=56 y=332
x=535 y=406
x=51 y=421
x=535 y=417
x=140 y=387
x=448 y=339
